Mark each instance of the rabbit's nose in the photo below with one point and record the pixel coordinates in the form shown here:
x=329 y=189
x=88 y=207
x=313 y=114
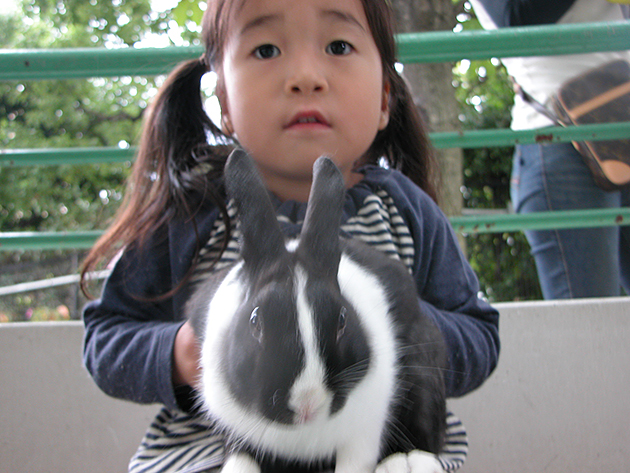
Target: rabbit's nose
x=310 y=404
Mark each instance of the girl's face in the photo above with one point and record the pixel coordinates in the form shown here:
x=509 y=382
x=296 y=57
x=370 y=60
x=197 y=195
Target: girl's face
x=299 y=79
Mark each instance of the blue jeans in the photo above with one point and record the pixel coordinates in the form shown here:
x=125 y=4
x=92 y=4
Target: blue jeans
x=583 y=262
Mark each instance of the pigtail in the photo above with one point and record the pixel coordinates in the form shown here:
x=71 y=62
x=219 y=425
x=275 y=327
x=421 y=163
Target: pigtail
x=175 y=163
x=405 y=141
x=175 y=171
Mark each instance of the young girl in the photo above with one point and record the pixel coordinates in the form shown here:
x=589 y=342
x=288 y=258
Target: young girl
x=296 y=79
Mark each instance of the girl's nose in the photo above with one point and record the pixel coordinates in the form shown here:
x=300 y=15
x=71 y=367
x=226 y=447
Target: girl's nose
x=306 y=77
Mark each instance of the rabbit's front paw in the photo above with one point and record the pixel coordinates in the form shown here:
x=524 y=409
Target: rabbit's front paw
x=240 y=463
x=415 y=461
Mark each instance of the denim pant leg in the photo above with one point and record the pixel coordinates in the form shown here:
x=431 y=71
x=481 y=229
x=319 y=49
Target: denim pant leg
x=571 y=263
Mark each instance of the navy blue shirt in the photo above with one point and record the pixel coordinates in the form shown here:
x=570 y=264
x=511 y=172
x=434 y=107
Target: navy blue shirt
x=129 y=333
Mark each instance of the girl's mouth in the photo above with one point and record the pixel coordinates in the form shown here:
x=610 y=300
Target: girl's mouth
x=308 y=119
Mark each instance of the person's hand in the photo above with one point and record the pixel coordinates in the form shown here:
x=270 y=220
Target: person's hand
x=186 y=357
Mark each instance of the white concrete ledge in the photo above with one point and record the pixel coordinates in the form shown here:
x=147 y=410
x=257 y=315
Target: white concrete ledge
x=53 y=418
x=558 y=401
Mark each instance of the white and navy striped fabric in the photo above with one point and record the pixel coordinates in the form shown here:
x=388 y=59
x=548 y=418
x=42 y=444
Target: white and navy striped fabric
x=179 y=442
x=455 y=448
x=377 y=222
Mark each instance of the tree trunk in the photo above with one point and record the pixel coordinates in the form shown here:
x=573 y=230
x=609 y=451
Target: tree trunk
x=434 y=94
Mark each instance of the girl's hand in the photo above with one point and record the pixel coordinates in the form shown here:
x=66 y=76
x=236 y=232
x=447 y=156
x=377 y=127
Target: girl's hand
x=186 y=357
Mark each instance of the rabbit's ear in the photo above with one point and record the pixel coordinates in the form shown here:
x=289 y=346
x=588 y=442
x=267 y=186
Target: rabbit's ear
x=319 y=242
x=262 y=240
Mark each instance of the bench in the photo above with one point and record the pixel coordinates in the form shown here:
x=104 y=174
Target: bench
x=557 y=402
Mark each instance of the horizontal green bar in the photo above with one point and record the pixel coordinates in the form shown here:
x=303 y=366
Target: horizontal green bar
x=544 y=40
x=468 y=139
x=33 y=157
x=494 y=223
x=507 y=137
x=12 y=241
x=439 y=46
x=541 y=220
x=74 y=63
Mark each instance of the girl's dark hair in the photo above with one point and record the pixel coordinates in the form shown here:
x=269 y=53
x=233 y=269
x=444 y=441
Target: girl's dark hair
x=176 y=169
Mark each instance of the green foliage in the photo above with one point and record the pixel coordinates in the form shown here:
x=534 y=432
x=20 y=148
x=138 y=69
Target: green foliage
x=486 y=98
x=81 y=23
x=188 y=14
x=502 y=261
x=69 y=113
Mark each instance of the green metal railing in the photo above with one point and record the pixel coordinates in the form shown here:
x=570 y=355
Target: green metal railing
x=441 y=46
x=48 y=240
x=413 y=48
x=450 y=139
x=463 y=224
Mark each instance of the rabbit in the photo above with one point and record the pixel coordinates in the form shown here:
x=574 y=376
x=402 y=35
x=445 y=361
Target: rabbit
x=315 y=353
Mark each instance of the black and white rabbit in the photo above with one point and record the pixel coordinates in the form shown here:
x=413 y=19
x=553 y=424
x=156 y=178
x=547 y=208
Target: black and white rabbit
x=315 y=353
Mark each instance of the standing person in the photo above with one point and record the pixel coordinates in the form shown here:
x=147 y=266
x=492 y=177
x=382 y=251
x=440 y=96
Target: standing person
x=297 y=79
x=584 y=262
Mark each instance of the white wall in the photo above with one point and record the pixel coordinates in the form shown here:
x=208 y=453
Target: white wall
x=558 y=402
x=560 y=398
x=53 y=418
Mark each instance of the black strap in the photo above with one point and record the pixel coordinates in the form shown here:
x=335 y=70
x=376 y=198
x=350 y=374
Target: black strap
x=539 y=107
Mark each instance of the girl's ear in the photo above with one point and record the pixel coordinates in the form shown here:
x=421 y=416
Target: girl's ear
x=226 y=122
x=385 y=106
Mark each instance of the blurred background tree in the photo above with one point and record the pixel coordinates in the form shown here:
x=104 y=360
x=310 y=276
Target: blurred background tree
x=108 y=112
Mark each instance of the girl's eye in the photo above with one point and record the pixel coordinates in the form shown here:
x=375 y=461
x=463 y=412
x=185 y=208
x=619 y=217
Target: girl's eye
x=266 y=51
x=339 y=48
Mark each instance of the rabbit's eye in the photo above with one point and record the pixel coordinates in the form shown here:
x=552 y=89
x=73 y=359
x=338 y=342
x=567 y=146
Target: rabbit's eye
x=341 y=326
x=255 y=324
